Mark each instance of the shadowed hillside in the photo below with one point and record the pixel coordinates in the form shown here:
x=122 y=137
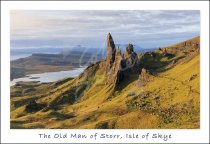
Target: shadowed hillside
x=159 y=89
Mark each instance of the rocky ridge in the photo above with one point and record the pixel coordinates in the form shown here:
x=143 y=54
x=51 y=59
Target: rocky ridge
x=117 y=64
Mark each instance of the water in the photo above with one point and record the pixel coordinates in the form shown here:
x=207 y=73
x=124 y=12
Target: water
x=49 y=76
x=15 y=57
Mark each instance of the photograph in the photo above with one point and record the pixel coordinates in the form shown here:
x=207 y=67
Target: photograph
x=105 y=69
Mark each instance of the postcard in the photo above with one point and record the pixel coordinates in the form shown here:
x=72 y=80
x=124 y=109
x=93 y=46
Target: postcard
x=115 y=75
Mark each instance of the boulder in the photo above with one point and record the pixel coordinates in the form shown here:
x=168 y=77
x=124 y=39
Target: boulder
x=144 y=75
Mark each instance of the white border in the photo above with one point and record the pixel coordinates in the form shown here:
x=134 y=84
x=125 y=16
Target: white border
x=178 y=136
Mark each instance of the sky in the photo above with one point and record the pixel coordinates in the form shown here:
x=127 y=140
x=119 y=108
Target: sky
x=89 y=28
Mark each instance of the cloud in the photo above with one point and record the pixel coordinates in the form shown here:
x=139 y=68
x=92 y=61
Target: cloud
x=29 y=27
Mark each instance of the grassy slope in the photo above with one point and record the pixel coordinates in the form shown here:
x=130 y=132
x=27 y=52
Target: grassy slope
x=170 y=100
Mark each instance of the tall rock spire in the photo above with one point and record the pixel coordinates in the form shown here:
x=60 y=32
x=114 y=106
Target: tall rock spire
x=110 y=50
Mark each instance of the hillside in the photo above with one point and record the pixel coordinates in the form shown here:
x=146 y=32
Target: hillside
x=159 y=89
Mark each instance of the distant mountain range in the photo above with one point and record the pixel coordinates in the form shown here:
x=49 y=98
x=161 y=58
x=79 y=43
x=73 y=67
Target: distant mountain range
x=79 y=48
x=137 y=48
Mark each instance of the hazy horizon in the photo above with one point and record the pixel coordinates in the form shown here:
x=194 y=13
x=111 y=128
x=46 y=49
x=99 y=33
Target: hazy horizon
x=70 y=28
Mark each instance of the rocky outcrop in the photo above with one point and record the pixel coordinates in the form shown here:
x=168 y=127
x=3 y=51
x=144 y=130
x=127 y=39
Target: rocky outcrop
x=130 y=58
x=110 y=51
x=129 y=54
x=144 y=75
x=115 y=74
x=116 y=63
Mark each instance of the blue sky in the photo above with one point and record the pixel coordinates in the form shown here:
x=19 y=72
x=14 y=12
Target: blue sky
x=67 y=28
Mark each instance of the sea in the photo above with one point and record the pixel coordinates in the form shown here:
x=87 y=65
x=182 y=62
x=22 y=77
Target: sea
x=47 y=76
